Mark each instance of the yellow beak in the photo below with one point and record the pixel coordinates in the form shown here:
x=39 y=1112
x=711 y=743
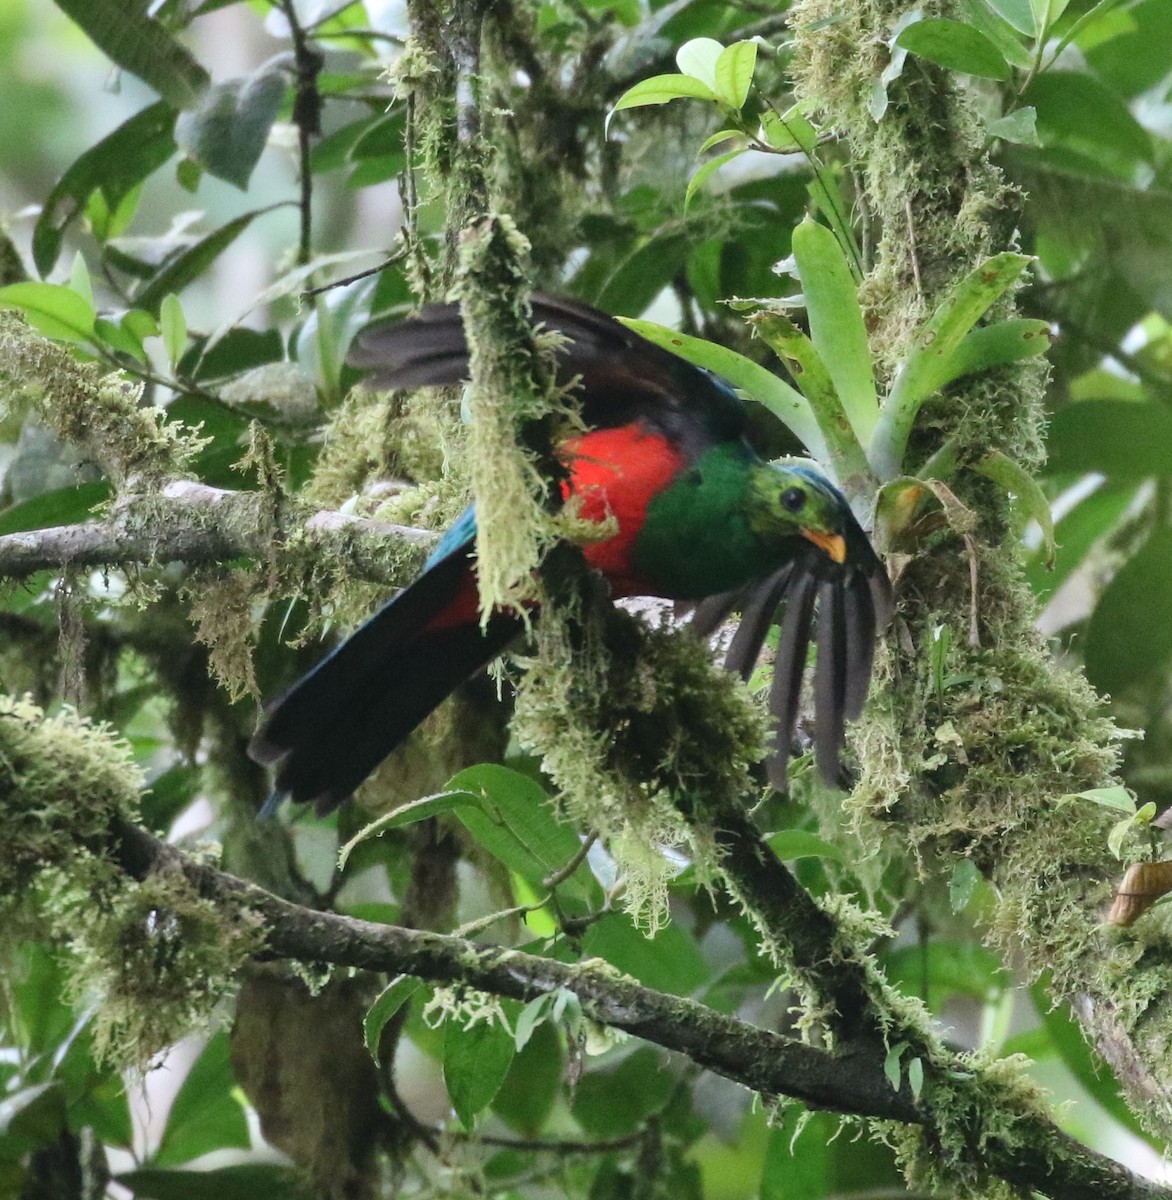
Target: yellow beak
x=833 y=543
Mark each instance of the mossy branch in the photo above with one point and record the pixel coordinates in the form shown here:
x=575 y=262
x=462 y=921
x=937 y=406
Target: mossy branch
x=850 y=1081
x=190 y=522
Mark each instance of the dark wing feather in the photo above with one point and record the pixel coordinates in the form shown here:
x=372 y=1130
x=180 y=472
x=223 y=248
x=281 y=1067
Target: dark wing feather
x=623 y=377
x=359 y=703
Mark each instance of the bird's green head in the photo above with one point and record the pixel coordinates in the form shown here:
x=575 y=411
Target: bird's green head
x=789 y=498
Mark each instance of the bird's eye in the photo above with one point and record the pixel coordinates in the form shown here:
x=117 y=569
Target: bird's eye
x=793 y=499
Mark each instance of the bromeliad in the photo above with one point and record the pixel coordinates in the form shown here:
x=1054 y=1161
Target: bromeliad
x=698 y=517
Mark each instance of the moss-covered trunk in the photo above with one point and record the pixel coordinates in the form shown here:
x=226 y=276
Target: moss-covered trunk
x=976 y=767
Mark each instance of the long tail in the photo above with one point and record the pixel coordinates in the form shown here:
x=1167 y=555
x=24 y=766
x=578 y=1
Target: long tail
x=339 y=721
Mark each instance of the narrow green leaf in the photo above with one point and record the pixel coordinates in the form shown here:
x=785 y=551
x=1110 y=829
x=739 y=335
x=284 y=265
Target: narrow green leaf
x=184 y=268
x=532 y=1015
x=117 y=339
x=698 y=58
x=116 y=165
x=891 y=1066
x=836 y=324
x=79 y=279
x=58 y=312
x=991 y=346
x=707 y=169
x=173 y=326
x=227 y=133
x=248 y=1181
x=934 y=345
x=798 y=843
x=915 y=1076
x=476 y=1062
x=386 y=1004
x=1117 y=835
x=660 y=89
x=142 y=46
x=717 y=139
x=955 y=46
x=1013 y=478
x=408 y=814
x=790 y=407
x=734 y=73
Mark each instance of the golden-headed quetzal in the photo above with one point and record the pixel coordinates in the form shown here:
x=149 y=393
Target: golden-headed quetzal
x=699 y=517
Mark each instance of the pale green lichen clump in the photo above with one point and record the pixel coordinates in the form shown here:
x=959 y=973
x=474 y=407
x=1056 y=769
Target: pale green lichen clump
x=636 y=726
x=155 y=957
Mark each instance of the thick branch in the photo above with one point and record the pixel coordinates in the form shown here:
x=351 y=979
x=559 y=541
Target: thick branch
x=851 y=1080
x=193 y=523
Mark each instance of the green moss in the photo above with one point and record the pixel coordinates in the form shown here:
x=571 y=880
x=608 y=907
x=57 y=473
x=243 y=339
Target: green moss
x=155 y=957
x=635 y=725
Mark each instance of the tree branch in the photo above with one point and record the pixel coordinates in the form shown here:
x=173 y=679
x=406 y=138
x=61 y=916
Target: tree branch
x=191 y=522
x=850 y=1080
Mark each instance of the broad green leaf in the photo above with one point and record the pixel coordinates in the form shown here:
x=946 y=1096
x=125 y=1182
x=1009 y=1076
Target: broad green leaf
x=1077 y=532
x=248 y=1181
x=1019 y=14
x=842 y=451
x=999 y=31
x=698 y=58
x=1046 y=12
x=1013 y=478
x=1019 y=126
x=228 y=131
x=787 y=404
x=58 y=312
x=533 y=1082
x=142 y=46
x=62 y=506
x=116 y=166
x=205 y=1114
x=934 y=345
x=476 y=1062
x=173 y=326
x=798 y=843
x=734 y=73
x=962 y=884
x=669 y=961
x=118 y=339
x=408 y=814
x=612 y=1103
x=1080 y=112
x=1122 y=439
x=788 y=131
x=836 y=324
x=955 y=46
x=707 y=169
x=1118 y=799
x=386 y=1004
x=660 y=89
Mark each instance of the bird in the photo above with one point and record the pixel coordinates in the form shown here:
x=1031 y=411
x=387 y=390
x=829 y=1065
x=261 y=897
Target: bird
x=698 y=518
